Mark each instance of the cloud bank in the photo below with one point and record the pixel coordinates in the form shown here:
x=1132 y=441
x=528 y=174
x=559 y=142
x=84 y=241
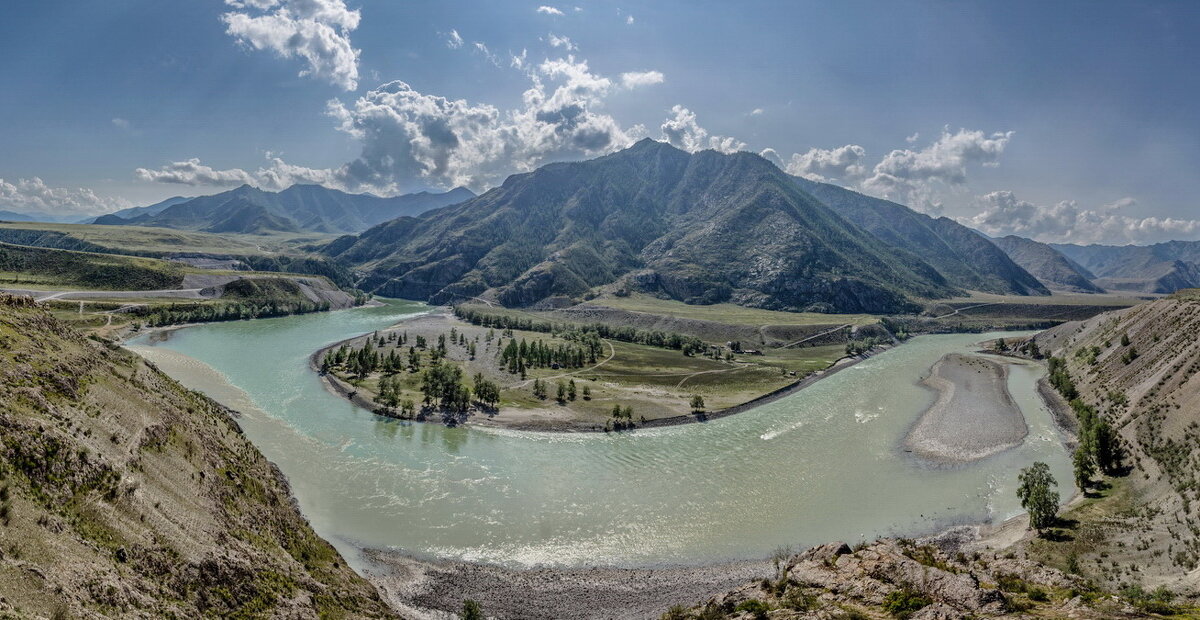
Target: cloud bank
x=32 y=195
x=913 y=177
x=843 y=164
x=1002 y=213
x=682 y=131
x=317 y=31
x=412 y=140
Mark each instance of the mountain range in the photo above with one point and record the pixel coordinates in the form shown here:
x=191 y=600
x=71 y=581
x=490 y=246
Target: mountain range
x=1159 y=268
x=133 y=212
x=299 y=208
x=960 y=254
x=699 y=227
x=33 y=216
x=1048 y=265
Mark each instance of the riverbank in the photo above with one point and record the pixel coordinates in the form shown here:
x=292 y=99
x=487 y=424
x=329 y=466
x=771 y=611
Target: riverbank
x=974 y=415
x=435 y=588
x=635 y=376
x=124 y=333
x=530 y=499
x=418 y=587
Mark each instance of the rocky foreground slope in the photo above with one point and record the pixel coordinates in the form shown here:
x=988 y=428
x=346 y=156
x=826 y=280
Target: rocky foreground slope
x=906 y=579
x=1139 y=368
x=124 y=494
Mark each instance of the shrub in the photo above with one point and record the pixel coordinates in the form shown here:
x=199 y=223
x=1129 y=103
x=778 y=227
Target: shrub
x=798 y=600
x=471 y=611
x=755 y=608
x=904 y=602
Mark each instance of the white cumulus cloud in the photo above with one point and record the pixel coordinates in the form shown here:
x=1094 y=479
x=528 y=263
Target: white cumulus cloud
x=454 y=40
x=32 y=195
x=1002 y=213
x=549 y=10
x=634 y=79
x=275 y=175
x=843 y=164
x=682 y=131
x=413 y=139
x=192 y=172
x=563 y=42
x=913 y=177
x=317 y=31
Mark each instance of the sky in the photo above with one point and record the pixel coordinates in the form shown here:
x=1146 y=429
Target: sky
x=1065 y=121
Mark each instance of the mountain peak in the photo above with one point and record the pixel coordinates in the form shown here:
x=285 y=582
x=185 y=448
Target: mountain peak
x=659 y=219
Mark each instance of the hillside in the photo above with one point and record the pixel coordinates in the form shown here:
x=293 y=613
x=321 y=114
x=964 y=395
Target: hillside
x=701 y=228
x=1159 y=268
x=1048 y=265
x=1139 y=369
x=86 y=270
x=964 y=257
x=124 y=494
x=139 y=241
x=307 y=208
x=133 y=212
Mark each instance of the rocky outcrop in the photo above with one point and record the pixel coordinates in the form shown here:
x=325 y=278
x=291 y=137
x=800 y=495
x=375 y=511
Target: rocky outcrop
x=907 y=579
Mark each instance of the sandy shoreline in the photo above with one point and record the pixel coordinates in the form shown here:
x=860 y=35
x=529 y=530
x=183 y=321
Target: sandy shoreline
x=974 y=415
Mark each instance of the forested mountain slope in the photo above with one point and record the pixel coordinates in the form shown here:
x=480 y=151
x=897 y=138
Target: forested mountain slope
x=1048 y=265
x=124 y=494
x=964 y=257
x=702 y=228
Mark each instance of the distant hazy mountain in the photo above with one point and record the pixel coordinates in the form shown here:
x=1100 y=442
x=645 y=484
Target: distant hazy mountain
x=1048 y=265
x=702 y=228
x=36 y=216
x=308 y=208
x=133 y=212
x=13 y=216
x=964 y=257
x=1159 y=268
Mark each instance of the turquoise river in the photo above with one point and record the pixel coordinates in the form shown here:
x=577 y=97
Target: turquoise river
x=822 y=464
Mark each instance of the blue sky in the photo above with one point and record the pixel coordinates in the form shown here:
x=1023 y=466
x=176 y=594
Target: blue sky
x=1061 y=121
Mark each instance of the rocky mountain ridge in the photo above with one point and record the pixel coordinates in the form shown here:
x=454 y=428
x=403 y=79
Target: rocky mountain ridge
x=699 y=227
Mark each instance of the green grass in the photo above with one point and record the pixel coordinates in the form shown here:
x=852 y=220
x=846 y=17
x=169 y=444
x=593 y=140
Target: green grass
x=1085 y=539
x=145 y=240
x=1116 y=300
x=729 y=313
x=654 y=381
x=65 y=268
